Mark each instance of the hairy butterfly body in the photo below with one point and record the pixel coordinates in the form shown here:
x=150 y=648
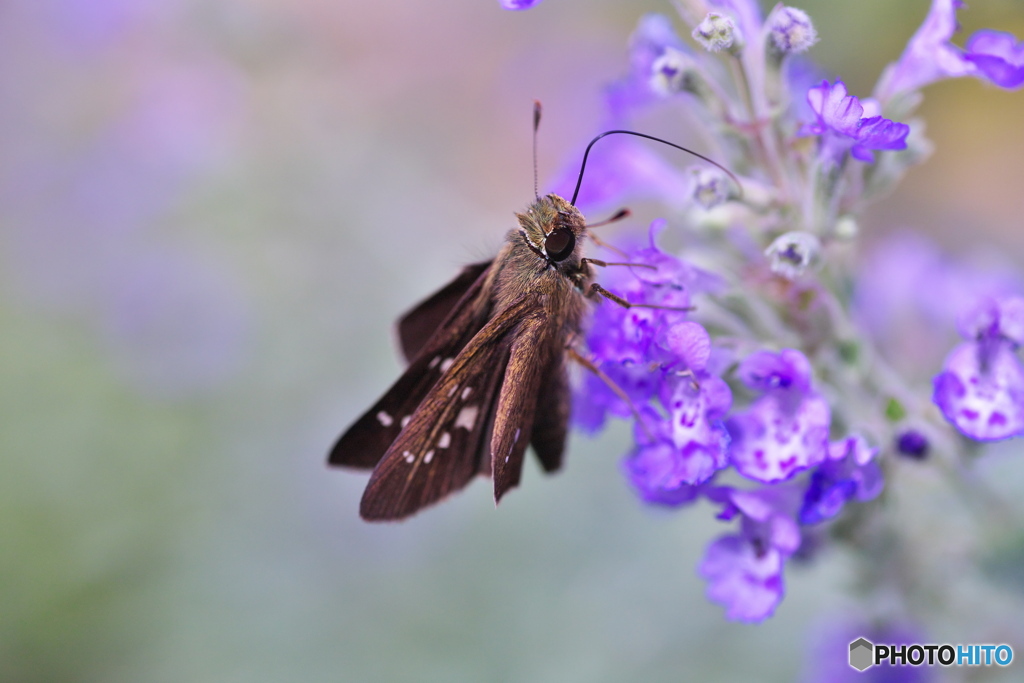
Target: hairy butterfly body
x=487 y=373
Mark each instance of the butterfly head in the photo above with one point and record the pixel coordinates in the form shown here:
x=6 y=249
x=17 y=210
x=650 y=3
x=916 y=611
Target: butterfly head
x=553 y=229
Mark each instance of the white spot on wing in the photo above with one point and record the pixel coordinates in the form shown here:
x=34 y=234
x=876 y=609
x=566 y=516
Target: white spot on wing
x=445 y=441
x=405 y=421
x=466 y=392
x=434 y=361
x=428 y=457
x=446 y=363
x=409 y=457
x=451 y=392
x=516 y=437
x=385 y=419
x=467 y=417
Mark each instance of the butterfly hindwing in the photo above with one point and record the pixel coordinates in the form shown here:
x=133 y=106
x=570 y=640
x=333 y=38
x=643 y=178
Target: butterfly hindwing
x=551 y=425
x=416 y=327
x=366 y=441
x=440 y=450
x=530 y=355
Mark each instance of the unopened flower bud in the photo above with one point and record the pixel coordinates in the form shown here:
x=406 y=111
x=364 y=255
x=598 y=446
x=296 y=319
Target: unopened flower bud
x=790 y=255
x=791 y=30
x=672 y=72
x=710 y=188
x=846 y=227
x=912 y=444
x=718 y=32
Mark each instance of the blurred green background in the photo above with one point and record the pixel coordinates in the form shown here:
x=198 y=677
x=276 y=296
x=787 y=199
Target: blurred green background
x=211 y=211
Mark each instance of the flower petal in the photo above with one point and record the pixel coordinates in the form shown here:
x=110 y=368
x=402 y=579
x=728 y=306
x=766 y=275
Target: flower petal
x=998 y=56
x=836 y=110
x=748 y=583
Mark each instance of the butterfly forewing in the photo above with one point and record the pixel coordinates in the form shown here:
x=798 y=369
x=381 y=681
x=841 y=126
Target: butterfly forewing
x=416 y=327
x=440 y=449
x=366 y=441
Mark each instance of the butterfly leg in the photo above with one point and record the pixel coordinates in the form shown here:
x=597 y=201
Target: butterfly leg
x=596 y=289
x=601 y=243
x=601 y=375
x=599 y=262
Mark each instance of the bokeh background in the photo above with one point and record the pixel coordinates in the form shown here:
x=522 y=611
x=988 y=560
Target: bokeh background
x=211 y=212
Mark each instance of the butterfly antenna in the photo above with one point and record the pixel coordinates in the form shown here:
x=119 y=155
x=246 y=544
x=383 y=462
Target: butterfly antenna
x=536 y=125
x=586 y=153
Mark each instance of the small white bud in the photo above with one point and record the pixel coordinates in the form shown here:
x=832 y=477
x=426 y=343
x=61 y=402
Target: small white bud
x=710 y=188
x=670 y=72
x=791 y=254
x=718 y=32
x=792 y=30
x=846 y=227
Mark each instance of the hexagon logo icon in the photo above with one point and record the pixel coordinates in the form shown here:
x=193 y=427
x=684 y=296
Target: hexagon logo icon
x=862 y=654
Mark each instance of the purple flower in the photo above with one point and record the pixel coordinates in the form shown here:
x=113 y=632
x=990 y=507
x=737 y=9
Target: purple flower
x=663 y=473
x=687 y=446
x=518 y=4
x=878 y=133
x=850 y=472
x=929 y=55
x=842 y=125
x=998 y=57
x=744 y=570
x=744 y=577
x=786 y=429
x=981 y=388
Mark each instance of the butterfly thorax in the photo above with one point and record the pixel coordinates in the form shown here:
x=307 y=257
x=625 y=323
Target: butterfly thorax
x=541 y=260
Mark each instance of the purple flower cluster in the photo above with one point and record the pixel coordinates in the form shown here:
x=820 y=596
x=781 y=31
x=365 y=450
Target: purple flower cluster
x=765 y=429
x=773 y=400
x=665 y=367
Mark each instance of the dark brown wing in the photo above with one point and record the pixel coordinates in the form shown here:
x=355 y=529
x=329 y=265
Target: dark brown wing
x=554 y=405
x=366 y=441
x=439 y=451
x=417 y=326
x=530 y=356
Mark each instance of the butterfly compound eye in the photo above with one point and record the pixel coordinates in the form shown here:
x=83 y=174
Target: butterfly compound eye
x=559 y=244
